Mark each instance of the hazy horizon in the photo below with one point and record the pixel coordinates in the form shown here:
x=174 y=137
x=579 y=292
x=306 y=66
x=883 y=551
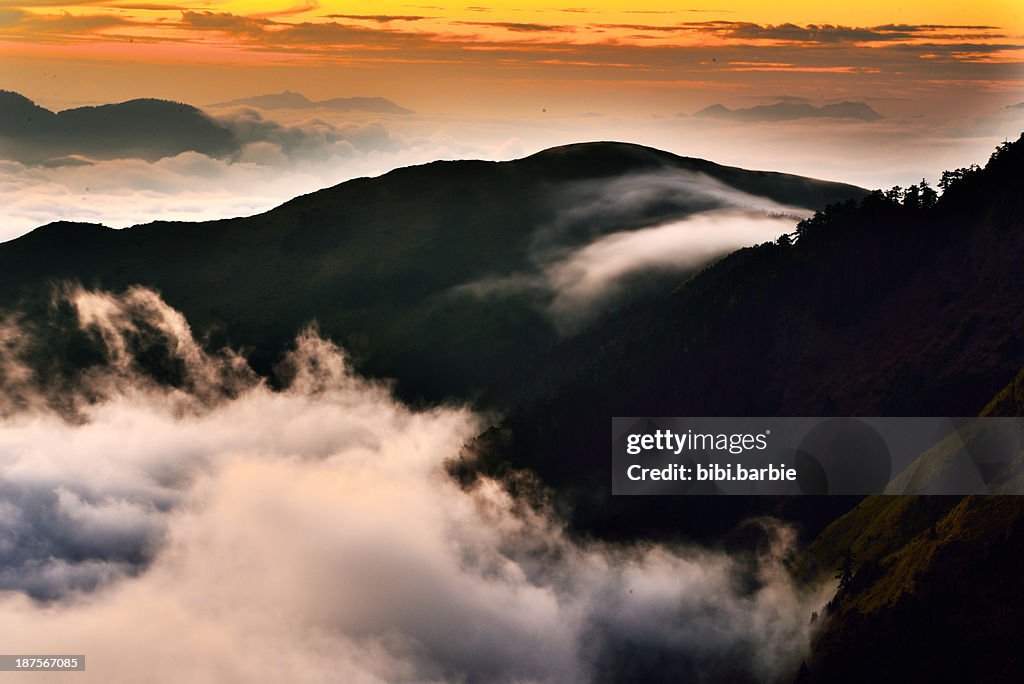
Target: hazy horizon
x=283 y=153
x=501 y=81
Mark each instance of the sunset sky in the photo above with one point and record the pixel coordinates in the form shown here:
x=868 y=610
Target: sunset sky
x=520 y=56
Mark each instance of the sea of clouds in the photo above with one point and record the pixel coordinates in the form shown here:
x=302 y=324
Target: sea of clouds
x=200 y=525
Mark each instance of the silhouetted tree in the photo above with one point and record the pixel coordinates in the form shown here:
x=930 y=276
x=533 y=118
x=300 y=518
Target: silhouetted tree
x=949 y=178
x=912 y=197
x=1000 y=151
x=845 y=573
x=929 y=198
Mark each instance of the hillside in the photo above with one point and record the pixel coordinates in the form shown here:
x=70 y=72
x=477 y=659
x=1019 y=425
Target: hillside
x=890 y=306
x=934 y=595
x=387 y=266
x=912 y=555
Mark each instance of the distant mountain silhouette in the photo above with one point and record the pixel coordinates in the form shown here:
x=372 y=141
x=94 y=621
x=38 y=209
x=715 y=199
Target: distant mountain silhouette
x=290 y=100
x=378 y=262
x=147 y=129
x=786 y=111
x=1019 y=105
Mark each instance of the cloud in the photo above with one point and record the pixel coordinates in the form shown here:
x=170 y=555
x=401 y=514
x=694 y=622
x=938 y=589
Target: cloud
x=612 y=234
x=632 y=199
x=675 y=28
x=108 y=336
x=519 y=27
x=127 y=130
x=302 y=7
x=379 y=18
x=16 y=24
x=224 y=21
x=274 y=163
x=144 y=6
x=309 y=139
x=590 y=276
x=268 y=163
x=666 y=49
x=311 y=533
x=47 y=3
x=830 y=33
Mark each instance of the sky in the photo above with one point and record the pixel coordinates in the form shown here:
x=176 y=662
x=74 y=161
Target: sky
x=513 y=57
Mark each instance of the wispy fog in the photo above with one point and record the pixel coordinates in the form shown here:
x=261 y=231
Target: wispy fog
x=208 y=528
x=587 y=277
x=610 y=234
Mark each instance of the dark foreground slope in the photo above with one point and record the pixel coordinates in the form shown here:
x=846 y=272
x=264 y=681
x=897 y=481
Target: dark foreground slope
x=889 y=306
x=934 y=586
x=935 y=594
x=378 y=262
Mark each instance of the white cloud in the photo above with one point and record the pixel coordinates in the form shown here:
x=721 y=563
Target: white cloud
x=312 y=533
x=609 y=233
x=588 y=276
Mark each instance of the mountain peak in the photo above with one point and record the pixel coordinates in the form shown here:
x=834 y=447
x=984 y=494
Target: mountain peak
x=621 y=153
x=9 y=97
x=19 y=114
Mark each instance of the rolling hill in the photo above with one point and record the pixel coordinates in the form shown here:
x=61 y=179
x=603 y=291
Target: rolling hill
x=388 y=265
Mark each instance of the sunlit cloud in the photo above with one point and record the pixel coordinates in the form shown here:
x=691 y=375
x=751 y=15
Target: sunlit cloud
x=314 y=530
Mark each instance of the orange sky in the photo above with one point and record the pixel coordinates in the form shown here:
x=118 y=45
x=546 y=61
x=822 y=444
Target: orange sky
x=638 y=55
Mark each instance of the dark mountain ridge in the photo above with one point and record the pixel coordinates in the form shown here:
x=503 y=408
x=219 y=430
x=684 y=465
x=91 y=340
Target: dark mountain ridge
x=375 y=261
x=144 y=128
x=893 y=305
